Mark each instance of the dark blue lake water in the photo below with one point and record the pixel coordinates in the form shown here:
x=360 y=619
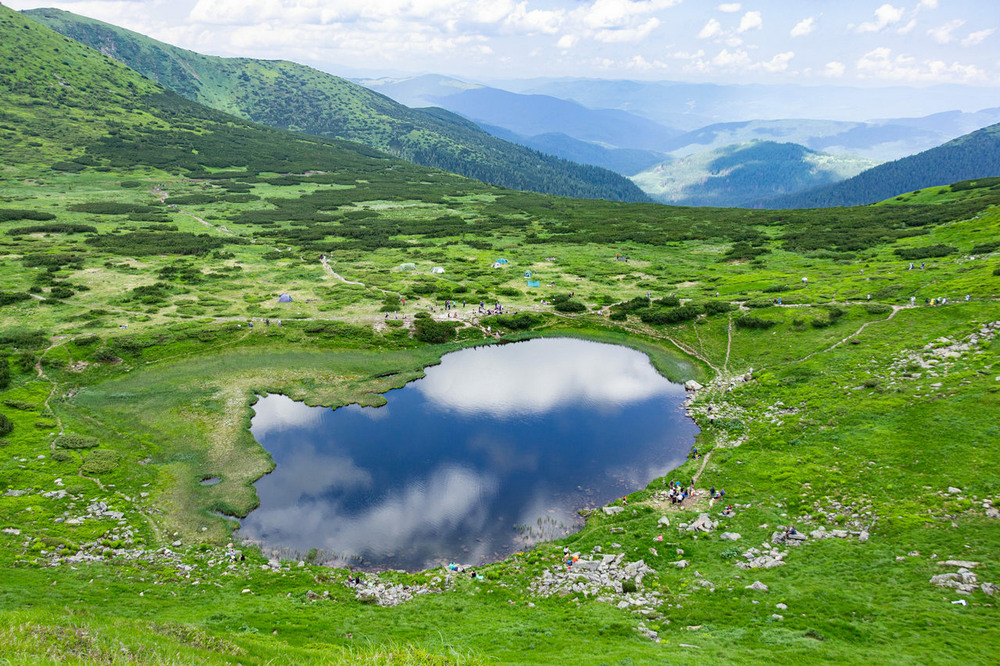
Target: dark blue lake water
x=495 y=449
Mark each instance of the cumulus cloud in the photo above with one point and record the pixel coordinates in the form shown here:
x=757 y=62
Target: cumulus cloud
x=712 y=29
x=804 y=27
x=778 y=63
x=942 y=34
x=834 y=70
x=885 y=16
x=977 y=37
x=750 y=21
x=726 y=58
x=928 y=4
x=881 y=64
x=730 y=7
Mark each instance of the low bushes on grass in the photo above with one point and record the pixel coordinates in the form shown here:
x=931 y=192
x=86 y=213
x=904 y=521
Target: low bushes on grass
x=752 y=322
x=72 y=440
x=100 y=461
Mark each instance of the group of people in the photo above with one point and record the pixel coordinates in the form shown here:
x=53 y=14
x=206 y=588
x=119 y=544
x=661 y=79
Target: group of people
x=496 y=309
x=678 y=493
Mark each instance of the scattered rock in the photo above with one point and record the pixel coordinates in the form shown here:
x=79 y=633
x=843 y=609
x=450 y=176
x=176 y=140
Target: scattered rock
x=692 y=385
x=612 y=510
x=680 y=564
x=663 y=521
x=958 y=563
x=729 y=536
x=781 y=606
x=757 y=585
x=703 y=523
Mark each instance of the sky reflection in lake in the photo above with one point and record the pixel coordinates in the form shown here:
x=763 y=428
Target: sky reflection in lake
x=494 y=449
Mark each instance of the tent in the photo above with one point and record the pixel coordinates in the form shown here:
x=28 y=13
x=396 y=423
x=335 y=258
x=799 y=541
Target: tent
x=437 y=269
x=501 y=260
x=534 y=283
x=527 y=274
x=284 y=298
x=407 y=267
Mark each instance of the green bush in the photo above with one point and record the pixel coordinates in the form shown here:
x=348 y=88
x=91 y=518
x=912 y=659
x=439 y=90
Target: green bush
x=718 y=307
x=570 y=306
x=878 y=308
x=72 y=440
x=6 y=425
x=517 y=322
x=925 y=252
x=618 y=316
x=751 y=322
x=426 y=329
x=101 y=461
x=4 y=372
x=62 y=456
x=670 y=315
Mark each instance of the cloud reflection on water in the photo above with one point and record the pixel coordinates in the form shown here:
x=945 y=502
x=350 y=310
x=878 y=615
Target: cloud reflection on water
x=538 y=377
x=417 y=517
x=279 y=412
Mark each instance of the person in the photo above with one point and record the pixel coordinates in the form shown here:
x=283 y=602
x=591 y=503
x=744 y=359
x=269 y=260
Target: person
x=711 y=492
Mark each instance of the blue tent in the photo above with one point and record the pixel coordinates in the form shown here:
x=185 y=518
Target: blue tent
x=284 y=298
x=501 y=260
x=527 y=274
x=534 y=283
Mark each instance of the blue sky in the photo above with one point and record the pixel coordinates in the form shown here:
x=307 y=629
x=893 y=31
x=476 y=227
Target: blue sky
x=843 y=42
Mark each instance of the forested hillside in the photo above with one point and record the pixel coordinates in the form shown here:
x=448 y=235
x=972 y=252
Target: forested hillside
x=975 y=155
x=741 y=174
x=289 y=96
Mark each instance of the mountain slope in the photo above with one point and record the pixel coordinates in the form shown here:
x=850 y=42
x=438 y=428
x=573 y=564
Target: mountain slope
x=291 y=96
x=738 y=174
x=975 y=155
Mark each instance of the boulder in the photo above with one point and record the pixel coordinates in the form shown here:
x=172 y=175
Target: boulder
x=680 y=564
x=692 y=385
x=663 y=521
x=613 y=510
x=757 y=585
x=989 y=589
x=959 y=563
x=702 y=524
x=729 y=536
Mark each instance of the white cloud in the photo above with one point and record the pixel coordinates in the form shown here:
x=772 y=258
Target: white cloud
x=928 y=4
x=567 y=41
x=881 y=64
x=727 y=58
x=712 y=29
x=977 y=37
x=834 y=70
x=778 y=63
x=730 y=7
x=885 y=16
x=750 y=21
x=908 y=28
x=942 y=33
x=627 y=35
x=804 y=27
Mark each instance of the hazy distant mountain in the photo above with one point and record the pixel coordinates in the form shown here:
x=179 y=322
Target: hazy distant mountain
x=528 y=115
x=738 y=174
x=975 y=155
x=626 y=161
x=874 y=141
x=287 y=95
x=692 y=105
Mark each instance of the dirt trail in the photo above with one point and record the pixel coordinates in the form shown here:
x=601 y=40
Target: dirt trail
x=895 y=309
x=729 y=343
x=330 y=272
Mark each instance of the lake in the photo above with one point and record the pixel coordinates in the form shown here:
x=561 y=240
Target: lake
x=495 y=449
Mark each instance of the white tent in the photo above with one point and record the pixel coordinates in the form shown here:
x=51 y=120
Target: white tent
x=437 y=269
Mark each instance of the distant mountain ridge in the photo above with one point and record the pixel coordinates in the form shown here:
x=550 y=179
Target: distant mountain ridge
x=972 y=156
x=739 y=174
x=287 y=95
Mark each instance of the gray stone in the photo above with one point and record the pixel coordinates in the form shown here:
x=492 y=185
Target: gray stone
x=703 y=523
x=959 y=563
x=757 y=585
x=989 y=589
x=663 y=521
x=692 y=385
x=680 y=564
x=781 y=606
x=992 y=513
x=612 y=510
x=729 y=536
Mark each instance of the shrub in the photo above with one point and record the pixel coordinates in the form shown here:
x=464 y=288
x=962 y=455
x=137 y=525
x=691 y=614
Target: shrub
x=4 y=372
x=426 y=329
x=668 y=301
x=62 y=456
x=760 y=303
x=878 y=308
x=22 y=406
x=925 y=252
x=6 y=425
x=570 y=306
x=718 y=307
x=618 y=316
x=637 y=303
x=629 y=586
x=670 y=315
x=72 y=440
x=517 y=322
x=776 y=288
x=101 y=461
x=751 y=322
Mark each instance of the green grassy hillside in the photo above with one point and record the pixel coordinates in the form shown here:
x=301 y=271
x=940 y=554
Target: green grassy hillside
x=140 y=233
x=290 y=96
